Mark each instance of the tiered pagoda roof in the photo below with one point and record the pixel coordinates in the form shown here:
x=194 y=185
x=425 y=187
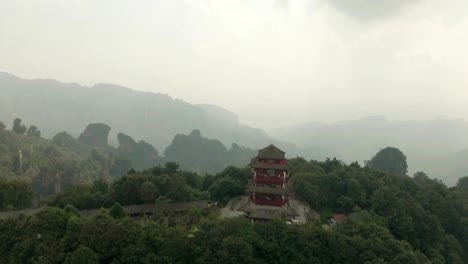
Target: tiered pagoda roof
x=259 y=165
x=271 y=152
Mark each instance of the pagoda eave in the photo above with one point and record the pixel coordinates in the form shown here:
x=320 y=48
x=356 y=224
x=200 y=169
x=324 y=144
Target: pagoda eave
x=272 y=166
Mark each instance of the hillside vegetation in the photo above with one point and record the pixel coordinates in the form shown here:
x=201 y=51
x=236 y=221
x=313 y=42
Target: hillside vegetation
x=396 y=219
x=51 y=166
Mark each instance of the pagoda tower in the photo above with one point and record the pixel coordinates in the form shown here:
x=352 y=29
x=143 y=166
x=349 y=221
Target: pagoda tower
x=268 y=190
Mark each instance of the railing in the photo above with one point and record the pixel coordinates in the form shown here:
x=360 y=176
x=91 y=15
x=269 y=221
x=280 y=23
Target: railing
x=263 y=179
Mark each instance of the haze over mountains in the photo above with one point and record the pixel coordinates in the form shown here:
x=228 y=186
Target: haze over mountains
x=152 y=117
x=438 y=147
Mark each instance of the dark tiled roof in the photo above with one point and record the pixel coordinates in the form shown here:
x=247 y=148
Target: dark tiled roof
x=90 y=212
x=271 y=152
x=138 y=209
x=182 y=206
x=19 y=212
x=129 y=209
x=266 y=214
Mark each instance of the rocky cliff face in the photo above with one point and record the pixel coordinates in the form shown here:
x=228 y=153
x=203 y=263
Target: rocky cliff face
x=96 y=135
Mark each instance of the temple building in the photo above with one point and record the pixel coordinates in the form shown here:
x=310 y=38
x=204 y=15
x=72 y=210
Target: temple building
x=268 y=190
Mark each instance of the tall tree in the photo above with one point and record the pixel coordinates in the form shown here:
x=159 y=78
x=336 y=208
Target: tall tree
x=18 y=127
x=82 y=255
x=148 y=192
x=462 y=184
x=34 y=132
x=116 y=211
x=390 y=160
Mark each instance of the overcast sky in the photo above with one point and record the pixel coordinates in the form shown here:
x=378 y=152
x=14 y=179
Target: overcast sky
x=274 y=63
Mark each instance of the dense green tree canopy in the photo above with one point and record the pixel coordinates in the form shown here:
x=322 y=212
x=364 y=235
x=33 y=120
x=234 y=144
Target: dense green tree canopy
x=391 y=219
x=421 y=212
x=15 y=194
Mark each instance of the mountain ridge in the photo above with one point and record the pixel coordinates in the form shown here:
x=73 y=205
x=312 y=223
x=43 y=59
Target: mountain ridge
x=424 y=142
x=152 y=117
x=13 y=84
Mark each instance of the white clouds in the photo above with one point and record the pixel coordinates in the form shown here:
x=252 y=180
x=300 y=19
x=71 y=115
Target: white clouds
x=302 y=59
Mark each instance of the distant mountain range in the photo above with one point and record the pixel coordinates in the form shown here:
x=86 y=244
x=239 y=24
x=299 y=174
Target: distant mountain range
x=152 y=117
x=438 y=147
x=155 y=118
x=434 y=146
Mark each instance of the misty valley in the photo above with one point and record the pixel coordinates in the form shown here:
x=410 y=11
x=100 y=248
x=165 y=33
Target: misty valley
x=105 y=196
x=234 y=132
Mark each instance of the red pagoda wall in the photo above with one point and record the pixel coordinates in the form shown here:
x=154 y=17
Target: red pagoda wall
x=273 y=177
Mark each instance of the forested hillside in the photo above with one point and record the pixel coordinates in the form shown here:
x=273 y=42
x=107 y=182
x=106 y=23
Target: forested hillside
x=420 y=211
x=50 y=166
x=391 y=219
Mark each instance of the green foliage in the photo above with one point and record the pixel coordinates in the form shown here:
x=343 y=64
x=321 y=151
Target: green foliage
x=71 y=210
x=142 y=155
x=65 y=140
x=421 y=212
x=462 y=184
x=229 y=183
x=395 y=220
x=148 y=192
x=84 y=197
x=399 y=220
x=53 y=166
x=15 y=194
x=33 y=132
x=224 y=189
x=135 y=188
x=82 y=255
x=116 y=211
x=390 y=160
